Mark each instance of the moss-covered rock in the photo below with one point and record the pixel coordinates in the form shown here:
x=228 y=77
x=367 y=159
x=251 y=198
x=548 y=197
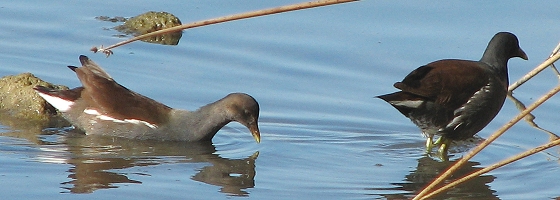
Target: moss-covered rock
x=18 y=99
x=149 y=22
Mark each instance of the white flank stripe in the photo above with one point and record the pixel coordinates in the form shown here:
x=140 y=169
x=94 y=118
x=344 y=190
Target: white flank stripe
x=90 y=111
x=105 y=117
x=60 y=104
x=135 y=121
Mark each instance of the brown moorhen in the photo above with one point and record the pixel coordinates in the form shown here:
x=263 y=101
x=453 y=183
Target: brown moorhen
x=457 y=98
x=104 y=107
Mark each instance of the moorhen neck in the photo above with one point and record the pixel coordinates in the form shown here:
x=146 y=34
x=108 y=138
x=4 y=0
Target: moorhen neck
x=457 y=98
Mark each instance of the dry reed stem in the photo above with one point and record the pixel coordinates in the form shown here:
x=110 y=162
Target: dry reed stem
x=245 y=15
x=490 y=140
x=495 y=166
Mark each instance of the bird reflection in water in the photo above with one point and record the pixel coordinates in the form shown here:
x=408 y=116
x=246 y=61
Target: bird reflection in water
x=97 y=160
x=428 y=169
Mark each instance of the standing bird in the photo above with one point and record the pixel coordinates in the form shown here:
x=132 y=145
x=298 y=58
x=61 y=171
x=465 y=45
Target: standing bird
x=104 y=107
x=457 y=98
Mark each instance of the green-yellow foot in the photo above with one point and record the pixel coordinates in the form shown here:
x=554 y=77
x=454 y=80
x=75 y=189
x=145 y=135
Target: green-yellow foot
x=443 y=144
x=429 y=144
x=443 y=147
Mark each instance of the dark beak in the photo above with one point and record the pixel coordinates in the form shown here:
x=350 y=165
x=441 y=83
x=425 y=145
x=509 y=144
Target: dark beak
x=522 y=54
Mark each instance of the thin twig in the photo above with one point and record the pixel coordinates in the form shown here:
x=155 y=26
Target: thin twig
x=553 y=58
x=555 y=70
x=494 y=166
x=245 y=15
x=486 y=142
x=555 y=51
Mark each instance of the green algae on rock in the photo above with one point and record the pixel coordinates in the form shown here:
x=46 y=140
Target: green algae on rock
x=18 y=99
x=149 y=22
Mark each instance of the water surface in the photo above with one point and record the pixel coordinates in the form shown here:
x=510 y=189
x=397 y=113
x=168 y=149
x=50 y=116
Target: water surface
x=315 y=74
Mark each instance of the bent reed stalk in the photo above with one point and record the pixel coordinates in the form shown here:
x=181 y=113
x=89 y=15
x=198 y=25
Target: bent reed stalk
x=245 y=15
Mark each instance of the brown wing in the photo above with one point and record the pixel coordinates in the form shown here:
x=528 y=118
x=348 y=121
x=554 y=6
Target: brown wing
x=115 y=100
x=440 y=81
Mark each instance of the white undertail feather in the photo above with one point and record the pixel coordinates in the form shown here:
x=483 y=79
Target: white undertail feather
x=409 y=104
x=60 y=104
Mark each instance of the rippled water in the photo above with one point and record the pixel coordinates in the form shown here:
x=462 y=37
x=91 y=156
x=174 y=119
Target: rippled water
x=314 y=72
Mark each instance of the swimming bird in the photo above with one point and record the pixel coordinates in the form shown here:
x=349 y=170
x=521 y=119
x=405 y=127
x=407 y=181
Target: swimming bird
x=454 y=98
x=104 y=107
